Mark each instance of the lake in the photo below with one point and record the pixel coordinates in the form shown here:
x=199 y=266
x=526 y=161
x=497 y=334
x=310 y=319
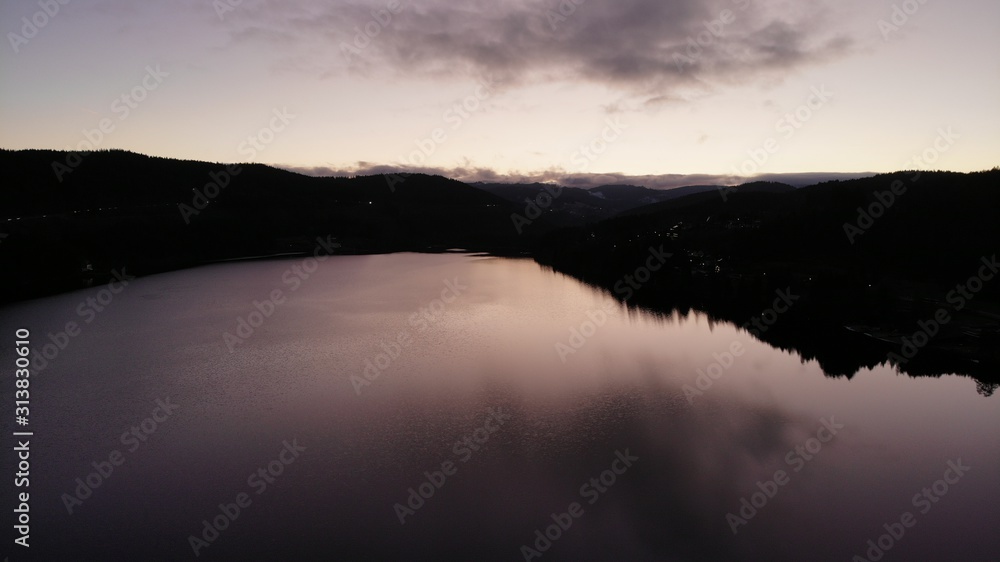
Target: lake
x=461 y=407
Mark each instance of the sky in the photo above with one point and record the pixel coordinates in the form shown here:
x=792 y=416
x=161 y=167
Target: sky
x=663 y=92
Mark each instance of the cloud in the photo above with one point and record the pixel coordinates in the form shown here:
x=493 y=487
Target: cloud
x=649 y=47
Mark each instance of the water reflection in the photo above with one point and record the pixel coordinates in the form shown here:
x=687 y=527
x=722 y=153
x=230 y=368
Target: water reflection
x=493 y=348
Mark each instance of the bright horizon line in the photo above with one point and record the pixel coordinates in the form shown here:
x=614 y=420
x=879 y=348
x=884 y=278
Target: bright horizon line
x=554 y=176
x=584 y=180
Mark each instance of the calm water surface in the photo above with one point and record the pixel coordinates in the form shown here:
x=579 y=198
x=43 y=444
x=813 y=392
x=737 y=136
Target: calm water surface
x=483 y=394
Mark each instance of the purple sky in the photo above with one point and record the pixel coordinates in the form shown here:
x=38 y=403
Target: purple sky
x=641 y=90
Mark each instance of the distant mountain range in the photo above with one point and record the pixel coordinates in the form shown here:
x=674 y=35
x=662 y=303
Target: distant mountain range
x=575 y=206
